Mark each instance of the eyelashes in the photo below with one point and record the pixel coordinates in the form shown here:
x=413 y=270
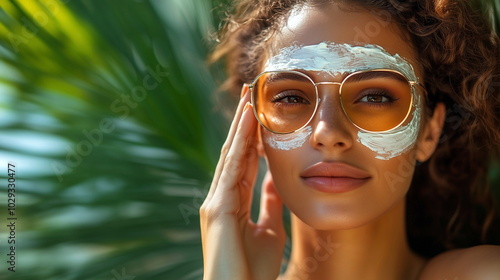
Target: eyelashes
x=366 y=97
x=291 y=97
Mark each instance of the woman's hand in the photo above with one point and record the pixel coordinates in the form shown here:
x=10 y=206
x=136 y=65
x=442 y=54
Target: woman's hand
x=234 y=247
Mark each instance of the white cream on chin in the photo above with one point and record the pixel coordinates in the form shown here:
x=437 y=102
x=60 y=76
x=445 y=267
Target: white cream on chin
x=288 y=141
x=338 y=59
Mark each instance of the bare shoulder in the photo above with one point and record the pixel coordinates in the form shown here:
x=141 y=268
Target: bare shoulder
x=474 y=263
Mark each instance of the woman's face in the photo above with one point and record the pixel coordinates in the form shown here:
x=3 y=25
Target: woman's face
x=328 y=174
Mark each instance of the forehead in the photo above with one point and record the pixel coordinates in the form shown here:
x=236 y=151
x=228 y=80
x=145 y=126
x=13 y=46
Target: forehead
x=337 y=59
x=310 y=25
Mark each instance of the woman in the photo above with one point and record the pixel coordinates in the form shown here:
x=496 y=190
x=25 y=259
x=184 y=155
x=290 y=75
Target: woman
x=377 y=122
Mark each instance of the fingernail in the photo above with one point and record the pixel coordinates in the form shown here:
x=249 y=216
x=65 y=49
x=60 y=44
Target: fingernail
x=244 y=90
x=247 y=105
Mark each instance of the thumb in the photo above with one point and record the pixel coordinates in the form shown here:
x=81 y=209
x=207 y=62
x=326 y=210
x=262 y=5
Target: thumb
x=271 y=206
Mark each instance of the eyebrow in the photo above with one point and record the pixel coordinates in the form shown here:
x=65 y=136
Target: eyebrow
x=278 y=76
x=377 y=74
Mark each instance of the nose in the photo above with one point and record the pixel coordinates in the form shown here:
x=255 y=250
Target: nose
x=332 y=130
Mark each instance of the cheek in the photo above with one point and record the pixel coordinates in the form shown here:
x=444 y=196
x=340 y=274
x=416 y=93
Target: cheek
x=285 y=153
x=287 y=142
x=395 y=175
x=397 y=142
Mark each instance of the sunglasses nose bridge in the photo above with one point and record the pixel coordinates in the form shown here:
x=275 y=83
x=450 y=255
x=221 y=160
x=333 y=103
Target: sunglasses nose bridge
x=328 y=83
x=325 y=84
x=328 y=102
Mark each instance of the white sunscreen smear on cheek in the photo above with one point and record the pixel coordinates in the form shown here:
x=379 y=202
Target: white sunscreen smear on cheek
x=396 y=142
x=288 y=141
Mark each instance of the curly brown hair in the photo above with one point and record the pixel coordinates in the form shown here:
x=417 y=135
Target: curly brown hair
x=449 y=204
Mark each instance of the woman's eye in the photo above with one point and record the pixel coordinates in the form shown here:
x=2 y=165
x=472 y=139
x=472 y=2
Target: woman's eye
x=289 y=98
x=293 y=99
x=375 y=99
x=375 y=96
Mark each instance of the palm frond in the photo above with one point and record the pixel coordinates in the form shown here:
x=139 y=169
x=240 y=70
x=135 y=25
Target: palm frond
x=124 y=94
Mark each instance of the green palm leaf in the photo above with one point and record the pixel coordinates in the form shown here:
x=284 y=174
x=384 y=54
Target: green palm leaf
x=119 y=100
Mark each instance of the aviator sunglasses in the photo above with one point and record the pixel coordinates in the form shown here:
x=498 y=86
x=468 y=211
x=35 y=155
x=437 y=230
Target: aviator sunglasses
x=377 y=100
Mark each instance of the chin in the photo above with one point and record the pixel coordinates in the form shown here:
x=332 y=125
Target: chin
x=326 y=218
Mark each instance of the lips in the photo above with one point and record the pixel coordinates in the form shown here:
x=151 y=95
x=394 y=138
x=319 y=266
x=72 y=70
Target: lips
x=334 y=177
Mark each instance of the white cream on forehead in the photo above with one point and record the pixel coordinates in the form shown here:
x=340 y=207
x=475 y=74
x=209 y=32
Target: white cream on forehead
x=337 y=59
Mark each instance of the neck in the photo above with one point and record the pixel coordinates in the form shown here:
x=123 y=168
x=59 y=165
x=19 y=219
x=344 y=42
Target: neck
x=378 y=250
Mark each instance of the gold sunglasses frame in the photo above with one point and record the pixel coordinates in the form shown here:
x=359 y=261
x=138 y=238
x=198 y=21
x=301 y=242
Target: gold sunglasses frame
x=340 y=84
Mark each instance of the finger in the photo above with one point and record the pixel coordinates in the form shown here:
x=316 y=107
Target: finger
x=251 y=167
x=229 y=140
x=227 y=194
x=232 y=130
x=271 y=206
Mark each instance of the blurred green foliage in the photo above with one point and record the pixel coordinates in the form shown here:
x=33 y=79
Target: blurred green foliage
x=107 y=110
x=114 y=103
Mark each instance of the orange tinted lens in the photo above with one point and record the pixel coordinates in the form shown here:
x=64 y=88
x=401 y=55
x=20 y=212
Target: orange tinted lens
x=284 y=101
x=376 y=100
